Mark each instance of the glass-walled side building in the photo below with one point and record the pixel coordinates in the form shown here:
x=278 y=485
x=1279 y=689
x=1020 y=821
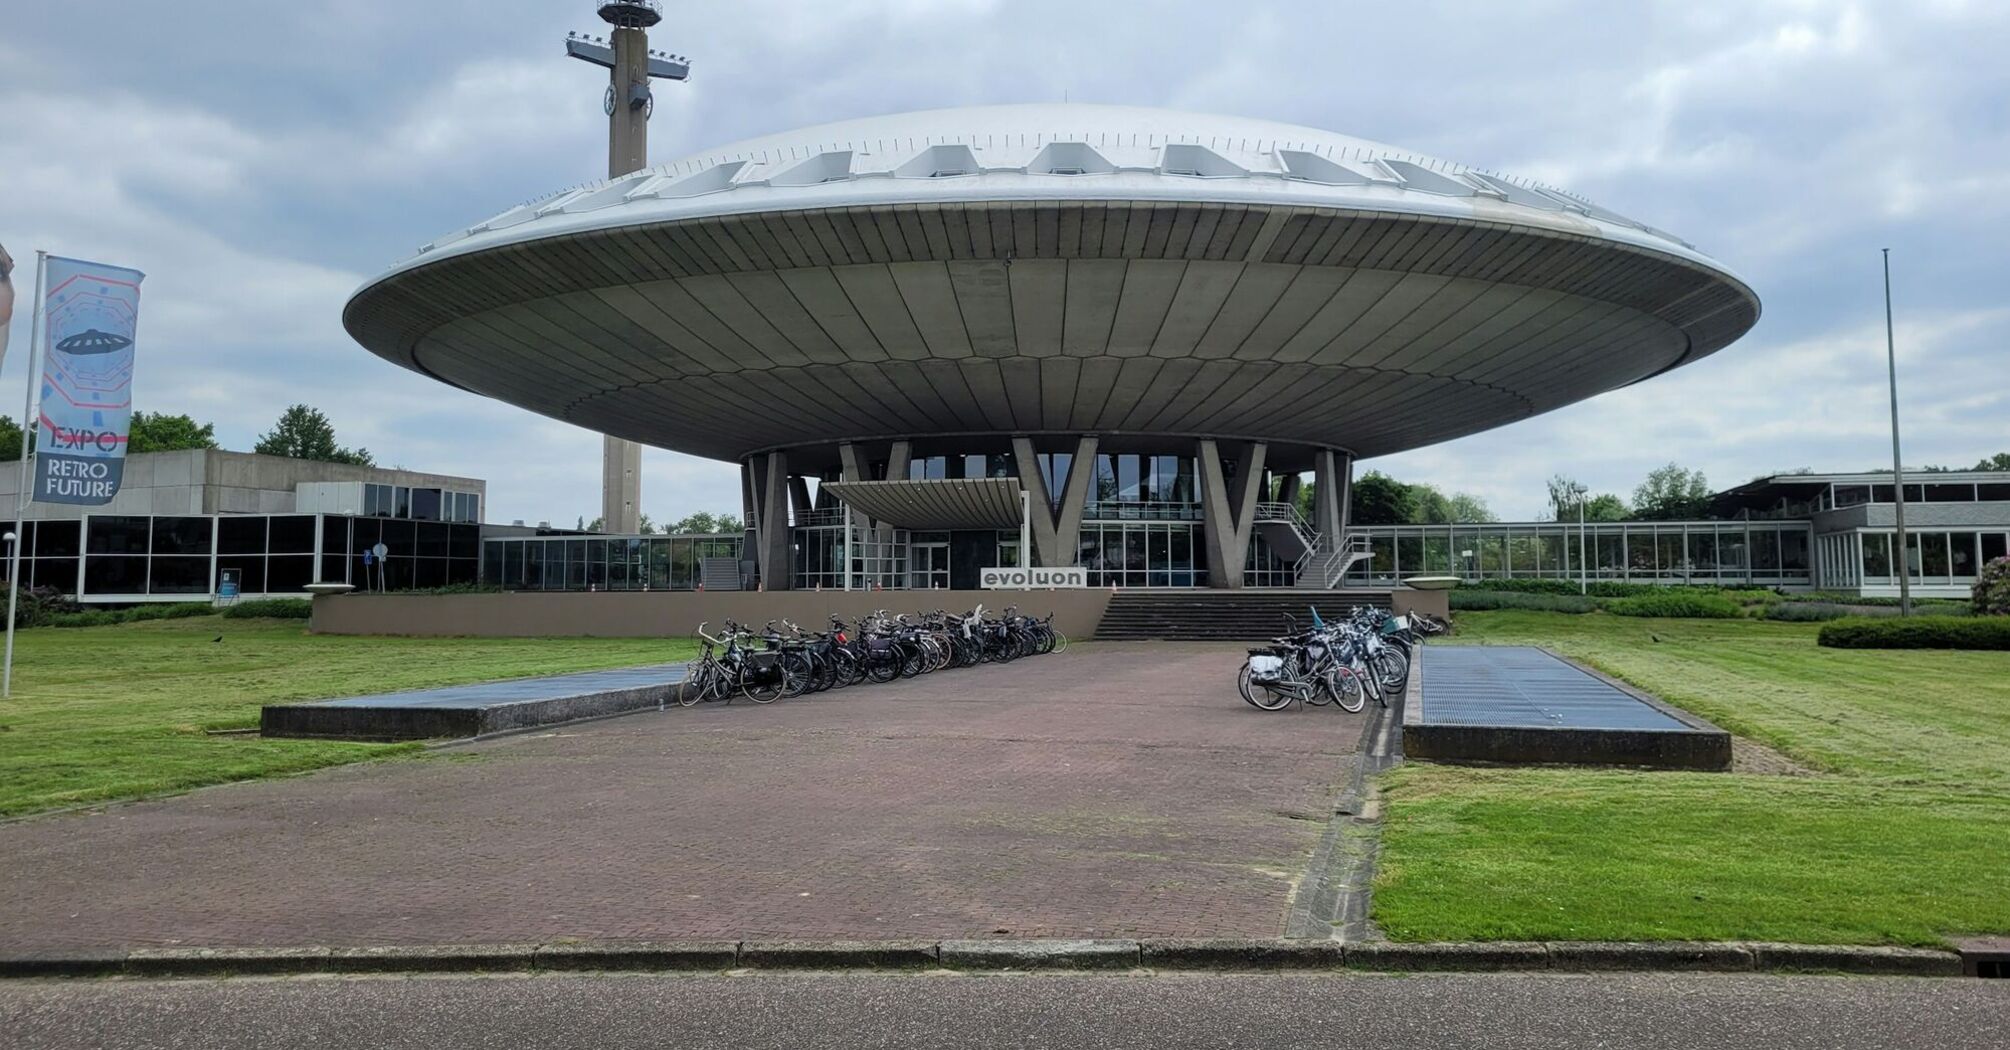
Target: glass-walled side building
x=1753 y=553
x=603 y=563
x=1144 y=522
x=128 y=558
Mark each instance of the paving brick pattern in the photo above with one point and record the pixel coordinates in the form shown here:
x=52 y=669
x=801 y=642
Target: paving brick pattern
x=1117 y=790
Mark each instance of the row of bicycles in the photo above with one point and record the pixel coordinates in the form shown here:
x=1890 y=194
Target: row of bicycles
x=1344 y=662
x=783 y=660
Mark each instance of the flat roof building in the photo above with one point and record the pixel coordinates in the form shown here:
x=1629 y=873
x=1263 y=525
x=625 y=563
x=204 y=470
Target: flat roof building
x=181 y=520
x=1146 y=325
x=1831 y=532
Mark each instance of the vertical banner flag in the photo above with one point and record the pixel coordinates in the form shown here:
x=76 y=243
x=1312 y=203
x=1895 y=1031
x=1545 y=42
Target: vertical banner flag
x=90 y=315
x=6 y=300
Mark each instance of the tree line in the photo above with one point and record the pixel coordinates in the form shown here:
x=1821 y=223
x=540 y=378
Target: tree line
x=301 y=432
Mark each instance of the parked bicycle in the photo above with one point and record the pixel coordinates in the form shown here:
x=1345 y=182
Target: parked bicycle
x=783 y=659
x=1345 y=663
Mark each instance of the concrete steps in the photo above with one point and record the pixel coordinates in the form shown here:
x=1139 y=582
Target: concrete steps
x=719 y=574
x=1247 y=615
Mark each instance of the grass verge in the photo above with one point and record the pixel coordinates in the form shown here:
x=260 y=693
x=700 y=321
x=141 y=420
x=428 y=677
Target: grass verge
x=1899 y=842
x=104 y=713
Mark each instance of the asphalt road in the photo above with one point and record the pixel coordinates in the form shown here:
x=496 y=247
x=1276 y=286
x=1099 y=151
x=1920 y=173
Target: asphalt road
x=850 y=1011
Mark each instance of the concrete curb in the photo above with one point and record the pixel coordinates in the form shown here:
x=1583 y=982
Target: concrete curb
x=1041 y=955
x=1225 y=954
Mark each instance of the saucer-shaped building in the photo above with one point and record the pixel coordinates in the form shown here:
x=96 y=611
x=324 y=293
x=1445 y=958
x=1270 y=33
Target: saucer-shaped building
x=1153 y=323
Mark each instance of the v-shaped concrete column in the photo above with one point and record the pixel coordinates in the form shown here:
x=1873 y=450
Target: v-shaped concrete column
x=1075 y=500
x=1332 y=482
x=1046 y=549
x=775 y=547
x=1057 y=536
x=1228 y=515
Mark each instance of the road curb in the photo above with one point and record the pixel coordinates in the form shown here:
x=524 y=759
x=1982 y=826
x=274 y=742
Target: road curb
x=1169 y=955
x=839 y=955
x=1040 y=955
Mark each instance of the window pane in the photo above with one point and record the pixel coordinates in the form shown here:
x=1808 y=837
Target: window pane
x=250 y=572
x=292 y=534
x=401 y=502
x=118 y=534
x=1876 y=554
x=60 y=573
x=181 y=535
x=432 y=539
x=1702 y=553
x=426 y=504
x=1934 y=561
x=1993 y=544
x=289 y=574
x=1961 y=553
x=178 y=575
x=398 y=534
x=115 y=575
x=57 y=539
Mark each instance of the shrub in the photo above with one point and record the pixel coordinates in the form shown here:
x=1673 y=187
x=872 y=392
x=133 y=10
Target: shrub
x=1812 y=612
x=1529 y=586
x=130 y=614
x=270 y=608
x=1677 y=602
x=1918 y=632
x=1467 y=601
x=1991 y=596
x=37 y=604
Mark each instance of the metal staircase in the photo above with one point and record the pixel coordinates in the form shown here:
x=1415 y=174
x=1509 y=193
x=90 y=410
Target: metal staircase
x=1319 y=563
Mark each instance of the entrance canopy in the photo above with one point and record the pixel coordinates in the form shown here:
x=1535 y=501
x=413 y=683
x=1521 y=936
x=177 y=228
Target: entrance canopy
x=939 y=503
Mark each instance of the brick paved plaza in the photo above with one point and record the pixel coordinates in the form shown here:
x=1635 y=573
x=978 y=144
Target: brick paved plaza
x=1115 y=790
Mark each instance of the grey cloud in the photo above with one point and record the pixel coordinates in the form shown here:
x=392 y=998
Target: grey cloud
x=260 y=169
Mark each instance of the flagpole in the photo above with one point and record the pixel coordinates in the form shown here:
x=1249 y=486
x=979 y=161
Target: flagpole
x=28 y=381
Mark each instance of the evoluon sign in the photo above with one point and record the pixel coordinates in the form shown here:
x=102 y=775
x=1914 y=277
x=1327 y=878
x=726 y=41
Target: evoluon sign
x=1021 y=579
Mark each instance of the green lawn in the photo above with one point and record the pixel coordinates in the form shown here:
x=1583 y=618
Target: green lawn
x=1902 y=837
x=103 y=713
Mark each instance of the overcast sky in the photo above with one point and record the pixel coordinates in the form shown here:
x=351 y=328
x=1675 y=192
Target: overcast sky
x=260 y=170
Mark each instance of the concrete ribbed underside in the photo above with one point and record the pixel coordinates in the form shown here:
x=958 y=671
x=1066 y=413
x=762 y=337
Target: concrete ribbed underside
x=1363 y=331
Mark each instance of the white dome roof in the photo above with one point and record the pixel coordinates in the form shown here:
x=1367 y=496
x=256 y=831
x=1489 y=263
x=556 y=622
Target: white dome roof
x=1055 y=152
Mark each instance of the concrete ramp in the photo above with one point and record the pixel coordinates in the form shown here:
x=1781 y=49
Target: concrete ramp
x=1522 y=704
x=479 y=709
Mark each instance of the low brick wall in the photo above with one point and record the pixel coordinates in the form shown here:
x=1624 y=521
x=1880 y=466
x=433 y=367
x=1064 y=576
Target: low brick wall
x=667 y=614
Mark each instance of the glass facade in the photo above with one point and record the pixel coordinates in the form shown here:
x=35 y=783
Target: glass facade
x=601 y=563
x=1763 y=553
x=420 y=504
x=1935 y=556
x=127 y=558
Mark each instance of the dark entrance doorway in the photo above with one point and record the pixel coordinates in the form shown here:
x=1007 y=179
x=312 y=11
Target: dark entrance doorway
x=970 y=552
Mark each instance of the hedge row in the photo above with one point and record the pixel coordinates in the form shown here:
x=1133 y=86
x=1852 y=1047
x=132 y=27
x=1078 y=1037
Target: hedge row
x=1814 y=612
x=1918 y=632
x=1679 y=603
x=129 y=614
x=1463 y=601
x=270 y=608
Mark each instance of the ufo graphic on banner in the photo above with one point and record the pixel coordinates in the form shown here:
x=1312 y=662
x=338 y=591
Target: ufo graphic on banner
x=91 y=341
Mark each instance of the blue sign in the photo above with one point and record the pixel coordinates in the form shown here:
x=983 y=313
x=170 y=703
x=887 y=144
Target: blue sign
x=227 y=584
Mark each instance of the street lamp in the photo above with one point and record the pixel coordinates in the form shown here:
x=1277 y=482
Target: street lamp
x=1904 y=558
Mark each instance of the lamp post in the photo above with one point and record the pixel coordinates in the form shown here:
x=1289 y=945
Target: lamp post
x=1904 y=557
x=631 y=66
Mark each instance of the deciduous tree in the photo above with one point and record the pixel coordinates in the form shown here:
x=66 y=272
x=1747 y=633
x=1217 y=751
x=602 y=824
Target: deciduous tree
x=304 y=433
